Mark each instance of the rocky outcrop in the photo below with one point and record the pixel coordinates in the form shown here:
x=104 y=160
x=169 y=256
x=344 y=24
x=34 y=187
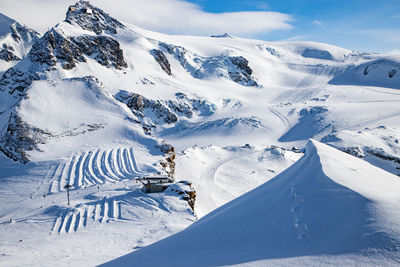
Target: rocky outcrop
x=15 y=81
x=243 y=72
x=161 y=60
x=168 y=164
x=105 y=50
x=236 y=69
x=151 y=111
x=21 y=137
x=55 y=48
x=91 y=18
x=157 y=112
x=7 y=53
x=185 y=190
x=392 y=73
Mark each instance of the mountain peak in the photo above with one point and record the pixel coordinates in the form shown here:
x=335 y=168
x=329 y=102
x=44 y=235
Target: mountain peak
x=91 y=18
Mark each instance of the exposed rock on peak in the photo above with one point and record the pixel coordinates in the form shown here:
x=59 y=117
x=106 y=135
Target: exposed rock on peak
x=92 y=18
x=54 y=47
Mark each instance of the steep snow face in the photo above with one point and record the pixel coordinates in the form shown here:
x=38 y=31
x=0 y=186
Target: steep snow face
x=329 y=207
x=15 y=42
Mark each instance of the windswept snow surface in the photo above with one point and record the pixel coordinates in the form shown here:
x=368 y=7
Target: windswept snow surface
x=327 y=208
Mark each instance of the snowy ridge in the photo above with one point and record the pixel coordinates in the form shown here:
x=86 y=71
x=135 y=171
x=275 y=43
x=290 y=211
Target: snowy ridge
x=326 y=203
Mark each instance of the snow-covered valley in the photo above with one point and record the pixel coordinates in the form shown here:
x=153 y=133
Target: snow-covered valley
x=97 y=104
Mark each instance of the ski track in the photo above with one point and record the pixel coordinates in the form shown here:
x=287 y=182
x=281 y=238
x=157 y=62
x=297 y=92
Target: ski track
x=95 y=167
x=101 y=211
x=282 y=118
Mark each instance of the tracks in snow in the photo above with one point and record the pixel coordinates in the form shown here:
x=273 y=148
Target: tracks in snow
x=101 y=211
x=281 y=117
x=95 y=167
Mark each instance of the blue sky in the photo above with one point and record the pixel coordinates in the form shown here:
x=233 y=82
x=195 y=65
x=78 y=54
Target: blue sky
x=367 y=25
x=361 y=25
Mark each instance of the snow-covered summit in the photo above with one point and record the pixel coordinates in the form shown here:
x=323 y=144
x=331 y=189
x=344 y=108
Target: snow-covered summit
x=329 y=207
x=92 y=18
x=15 y=41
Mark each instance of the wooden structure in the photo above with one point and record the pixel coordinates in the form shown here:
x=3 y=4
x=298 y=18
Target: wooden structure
x=155 y=184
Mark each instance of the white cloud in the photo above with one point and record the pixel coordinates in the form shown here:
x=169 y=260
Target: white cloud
x=317 y=22
x=170 y=16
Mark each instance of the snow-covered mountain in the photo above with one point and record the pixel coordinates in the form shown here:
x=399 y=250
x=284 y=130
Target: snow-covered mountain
x=328 y=207
x=15 y=41
x=95 y=103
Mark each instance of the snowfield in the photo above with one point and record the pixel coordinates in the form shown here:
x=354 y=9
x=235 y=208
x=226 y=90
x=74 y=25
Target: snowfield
x=328 y=208
x=95 y=103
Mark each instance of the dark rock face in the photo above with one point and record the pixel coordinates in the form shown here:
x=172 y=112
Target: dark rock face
x=54 y=47
x=392 y=73
x=141 y=105
x=7 y=53
x=16 y=81
x=243 y=73
x=92 y=18
x=21 y=137
x=104 y=49
x=158 y=112
x=161 y=60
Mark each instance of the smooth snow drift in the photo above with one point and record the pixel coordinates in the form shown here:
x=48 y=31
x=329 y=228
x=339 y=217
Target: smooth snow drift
x=328 y=207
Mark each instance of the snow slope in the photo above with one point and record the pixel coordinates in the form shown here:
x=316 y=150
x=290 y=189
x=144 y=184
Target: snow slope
x=328 y=208
x=223 y=174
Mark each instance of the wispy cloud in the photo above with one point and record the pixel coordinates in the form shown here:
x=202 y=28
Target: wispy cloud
x=317 y=22
x=171 y=16
x=296 y=38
